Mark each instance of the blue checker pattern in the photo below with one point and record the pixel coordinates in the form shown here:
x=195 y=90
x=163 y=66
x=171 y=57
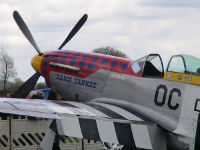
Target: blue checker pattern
x=85 y=56
x=44 y=72
x=114 y=63
x=63 y=60
x=45 y=64
x=104 y=61
x=95 y=58
x=67 y=53
x=91 y=66
x=55 y=57
x=76 y=54
x=72 y=62
x=46 y=56
x=59 y=52
x=81 y=64
x=124 y=66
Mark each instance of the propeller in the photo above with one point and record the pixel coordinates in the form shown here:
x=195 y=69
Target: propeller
x=76 y=28
x=23 y=27
x=26 y=88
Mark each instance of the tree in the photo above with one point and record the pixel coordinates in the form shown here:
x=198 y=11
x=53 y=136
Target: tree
x=110 y=51
x=13 y=86
x=7 y=68
x=40 y=85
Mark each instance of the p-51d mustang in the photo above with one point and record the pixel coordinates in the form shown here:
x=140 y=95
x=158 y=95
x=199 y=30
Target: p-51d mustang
x=115 y=100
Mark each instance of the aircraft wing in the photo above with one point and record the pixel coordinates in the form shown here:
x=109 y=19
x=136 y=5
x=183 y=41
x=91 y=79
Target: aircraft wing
x=92 y=120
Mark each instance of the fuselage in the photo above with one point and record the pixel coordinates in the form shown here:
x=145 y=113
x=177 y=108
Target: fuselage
x=83 y=77
x=77 y=75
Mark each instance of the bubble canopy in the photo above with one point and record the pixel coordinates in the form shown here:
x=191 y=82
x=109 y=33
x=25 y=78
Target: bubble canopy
x=149 y=66
x=184 y=64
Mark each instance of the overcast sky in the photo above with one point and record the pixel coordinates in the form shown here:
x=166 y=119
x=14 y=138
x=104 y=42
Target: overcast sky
x=137 y=27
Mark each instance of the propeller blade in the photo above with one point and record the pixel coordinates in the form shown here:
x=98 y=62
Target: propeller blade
x=27 y=87
x=23 y=27
x=76 y=28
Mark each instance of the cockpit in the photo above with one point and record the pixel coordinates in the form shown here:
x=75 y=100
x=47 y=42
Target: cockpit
x=181 y=68
x=149 y=66
x=184 y=64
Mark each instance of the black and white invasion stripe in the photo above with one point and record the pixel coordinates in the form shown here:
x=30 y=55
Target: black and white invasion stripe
x=106 y=130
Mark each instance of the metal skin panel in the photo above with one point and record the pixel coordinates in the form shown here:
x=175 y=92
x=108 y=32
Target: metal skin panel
x=133 y=92
x=137 y=95
x=189 y=122
x=79 y=89
x=140 y=100
x=130 y=90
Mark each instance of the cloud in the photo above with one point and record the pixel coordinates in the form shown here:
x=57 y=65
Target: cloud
x=137 y=27
x=171 y=3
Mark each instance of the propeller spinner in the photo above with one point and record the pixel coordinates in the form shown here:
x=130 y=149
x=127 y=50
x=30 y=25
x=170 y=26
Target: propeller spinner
x=36 y=61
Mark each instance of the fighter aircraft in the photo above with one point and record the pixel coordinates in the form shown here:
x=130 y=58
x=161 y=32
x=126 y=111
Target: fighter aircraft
x=114 y=100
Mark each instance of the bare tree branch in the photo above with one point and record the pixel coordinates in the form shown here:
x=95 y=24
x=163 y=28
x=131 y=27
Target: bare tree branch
x=7 y=68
